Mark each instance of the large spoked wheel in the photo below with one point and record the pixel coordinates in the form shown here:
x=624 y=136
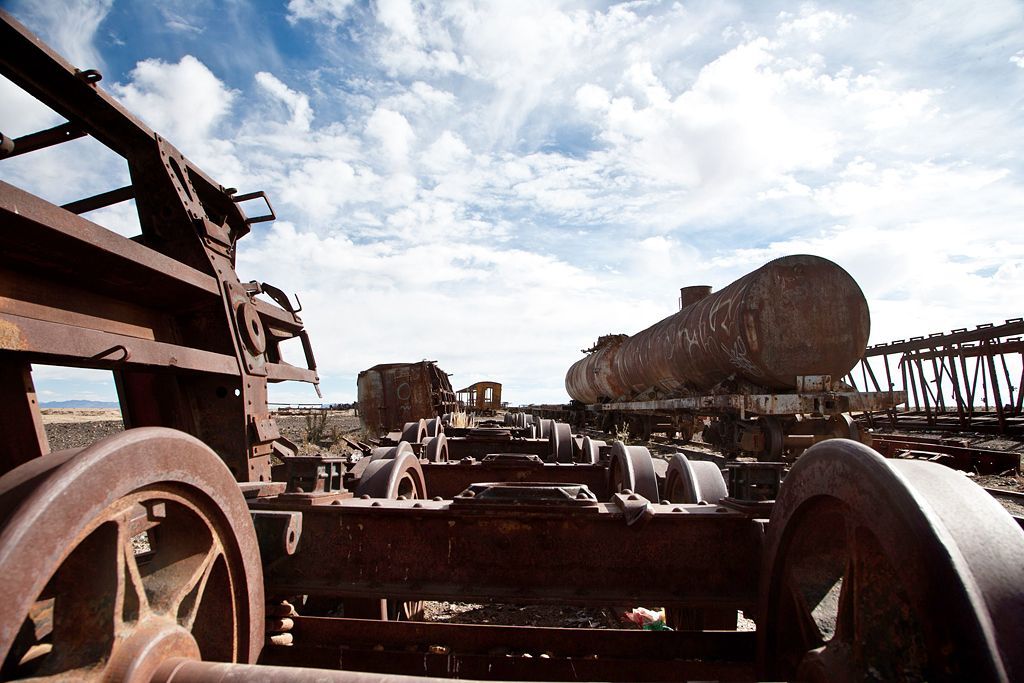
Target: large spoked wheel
x=117 y=556
x=878 y=569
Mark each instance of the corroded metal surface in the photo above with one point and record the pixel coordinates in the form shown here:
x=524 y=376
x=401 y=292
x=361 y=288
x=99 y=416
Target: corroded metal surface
x=797 y=315
x=71 y=526
x=481 y=397
x=189 y=344
x=393 y=394
x=890 y=570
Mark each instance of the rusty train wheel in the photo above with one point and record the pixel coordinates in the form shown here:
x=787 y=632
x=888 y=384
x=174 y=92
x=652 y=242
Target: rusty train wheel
x=434 y=427
x=632 y=468
x=414 y=432
x=398 y=478
x=390 y=452
x=393 y=478
x=116 y=556
x=889 y=570
x=694 y=481
x=435 y=449
x=561 y=442
x=844 y=427
x=591 y=451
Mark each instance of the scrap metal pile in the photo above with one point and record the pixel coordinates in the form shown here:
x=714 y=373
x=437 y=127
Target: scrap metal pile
x=198 y=546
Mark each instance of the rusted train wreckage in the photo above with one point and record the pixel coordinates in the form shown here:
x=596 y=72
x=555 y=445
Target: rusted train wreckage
x=169 y=553
x=392 y=394
x=757 y=368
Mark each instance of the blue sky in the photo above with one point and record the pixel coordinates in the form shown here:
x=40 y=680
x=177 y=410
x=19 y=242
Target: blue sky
x=494 y=185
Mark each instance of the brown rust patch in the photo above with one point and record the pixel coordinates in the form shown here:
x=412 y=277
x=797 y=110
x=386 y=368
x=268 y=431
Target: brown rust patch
x=11 y=338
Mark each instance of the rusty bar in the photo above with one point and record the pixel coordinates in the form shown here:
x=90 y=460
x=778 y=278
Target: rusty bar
x=562 y=642
x=476 y=447
x=965 y=458
x=925 y=390
x=480 y=651
x=62 y=239
x=40 y=71
x=121 y=194
x=940 y=402
x=695 y=557
x=1006 y=374
x=452 y=478
x=982 y=333
x=973 y=351
x=769 y=404
x=1019 y=407
x=996 y=397
x=45 y=342
x=957 y=393
x=43 y=139
x=20 y=421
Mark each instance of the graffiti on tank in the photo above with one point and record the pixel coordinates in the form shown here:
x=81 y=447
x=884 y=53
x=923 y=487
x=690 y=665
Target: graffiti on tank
x=738 y=357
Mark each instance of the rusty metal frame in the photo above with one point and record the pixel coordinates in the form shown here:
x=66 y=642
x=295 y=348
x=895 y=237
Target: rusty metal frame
x=958 y=380
x=189 y=344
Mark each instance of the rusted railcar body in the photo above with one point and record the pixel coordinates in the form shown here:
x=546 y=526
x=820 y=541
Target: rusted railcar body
x=795 y=316
x=774 y=345
x=393 y=394
x=482 y=398
x=166 y=553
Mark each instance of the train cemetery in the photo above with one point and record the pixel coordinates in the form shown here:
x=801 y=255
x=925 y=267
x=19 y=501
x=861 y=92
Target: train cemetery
x=757 y=493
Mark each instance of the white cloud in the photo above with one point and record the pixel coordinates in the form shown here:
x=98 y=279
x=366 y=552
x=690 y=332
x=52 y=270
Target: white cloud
x=812 y=23
x=21 y=113
x=1018 y=58
x=183 y=100
x=297 y=103
x=69 y=26
x=392 y=133
x=329 y=12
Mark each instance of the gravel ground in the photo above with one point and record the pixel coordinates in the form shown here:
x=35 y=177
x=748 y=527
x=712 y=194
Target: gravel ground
x=300 y=429
x=79 y=434
x=521 y=615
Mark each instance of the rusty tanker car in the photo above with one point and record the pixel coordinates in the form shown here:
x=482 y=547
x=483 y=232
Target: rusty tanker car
x=759 y=367
x=201 y=545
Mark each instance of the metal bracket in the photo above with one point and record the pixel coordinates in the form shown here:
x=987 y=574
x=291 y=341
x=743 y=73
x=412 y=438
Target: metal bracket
x=635 y=508
x=527 y=494
x=278 y=533
x=239 y=198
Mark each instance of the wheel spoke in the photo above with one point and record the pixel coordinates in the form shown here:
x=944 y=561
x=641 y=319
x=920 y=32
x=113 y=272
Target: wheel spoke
x=807 y=628
x=191 y=594
x=134 y=603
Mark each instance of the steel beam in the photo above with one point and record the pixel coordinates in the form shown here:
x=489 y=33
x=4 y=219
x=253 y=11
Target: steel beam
x=683 y=555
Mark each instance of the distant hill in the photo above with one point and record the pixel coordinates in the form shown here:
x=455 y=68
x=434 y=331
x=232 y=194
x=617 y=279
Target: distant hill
x=95 y=405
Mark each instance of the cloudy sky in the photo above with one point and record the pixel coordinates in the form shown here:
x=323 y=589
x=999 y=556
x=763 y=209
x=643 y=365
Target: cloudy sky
x=494 y=185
